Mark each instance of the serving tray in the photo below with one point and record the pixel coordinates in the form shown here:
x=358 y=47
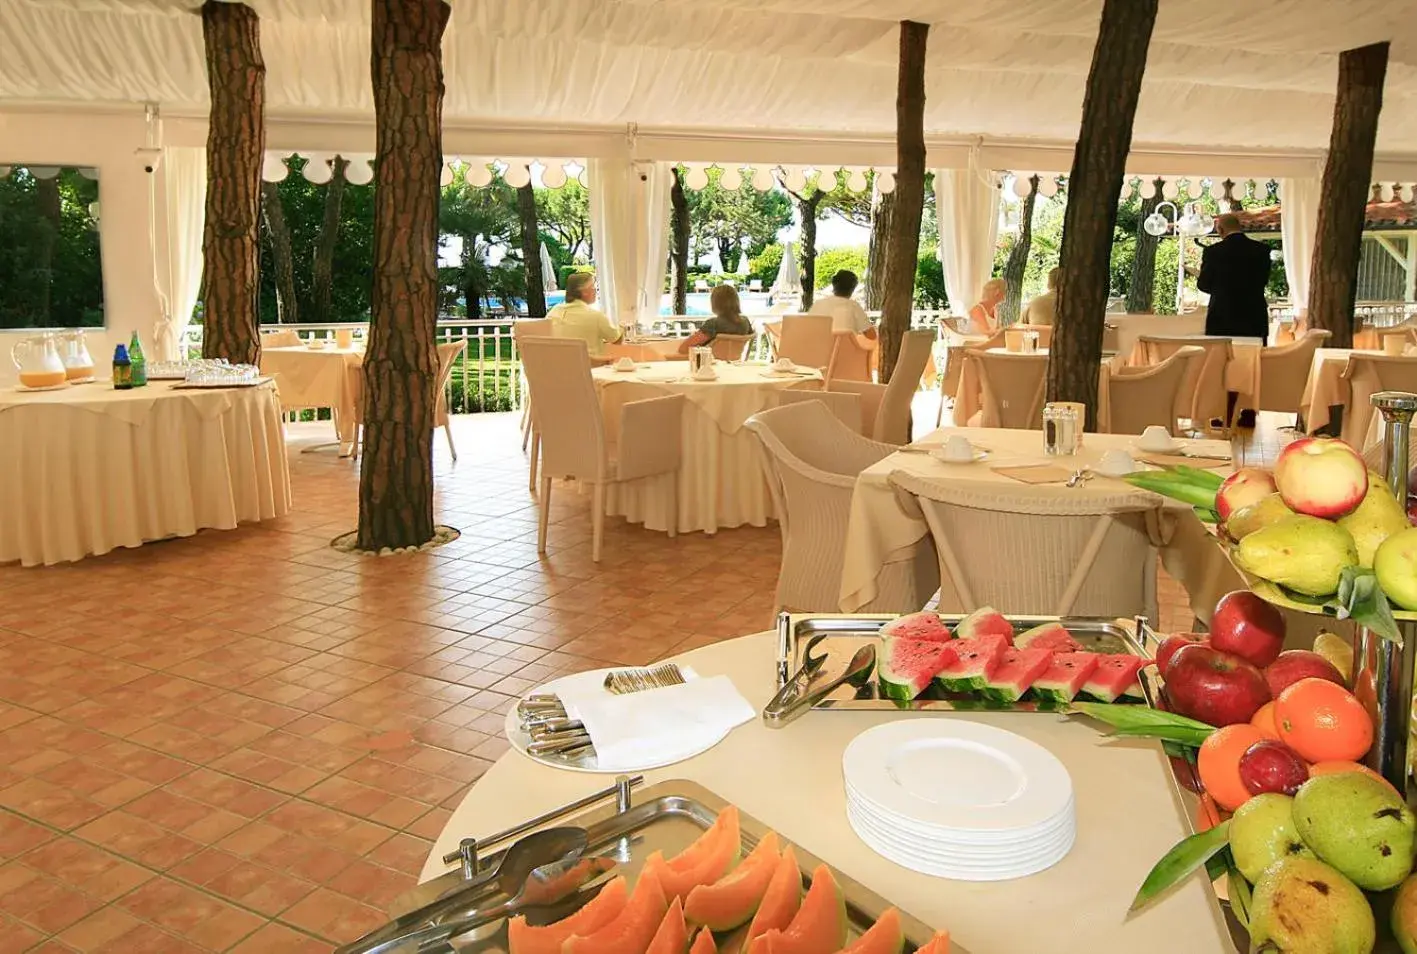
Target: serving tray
x=838 y=636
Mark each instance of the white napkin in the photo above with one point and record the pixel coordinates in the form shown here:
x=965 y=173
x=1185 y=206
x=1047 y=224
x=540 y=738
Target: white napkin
x=657 y=726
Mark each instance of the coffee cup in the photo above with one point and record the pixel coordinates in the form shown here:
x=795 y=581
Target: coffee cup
x=624 y=364
x=958 y=448
x=784 y=364
x=1156 y=438
x=1116 y=462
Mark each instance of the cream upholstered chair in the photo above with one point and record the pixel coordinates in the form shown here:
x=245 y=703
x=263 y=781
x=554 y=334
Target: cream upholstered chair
x=844 y=405
x=885 y=408
x=851 y=357
x=1284 y=371
x=1013 y=386
x=731 y=347
x=1206 y=385
x=811 y=461
x=773 y=329
x=522 y=330
x=573 y=432
x=1141 y=397
x=1365 y=375
x=1056 y=554
x=284 y=338
x=807 y=340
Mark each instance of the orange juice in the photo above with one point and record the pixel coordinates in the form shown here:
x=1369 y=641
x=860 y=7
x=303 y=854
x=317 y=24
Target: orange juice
x=77 y=372
x=42 y=379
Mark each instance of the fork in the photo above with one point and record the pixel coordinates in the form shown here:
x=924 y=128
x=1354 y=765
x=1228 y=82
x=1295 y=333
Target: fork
x=622 y=681
x=1079 y=478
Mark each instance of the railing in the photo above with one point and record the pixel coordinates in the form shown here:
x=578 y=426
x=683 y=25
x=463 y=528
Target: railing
x=1375 y=314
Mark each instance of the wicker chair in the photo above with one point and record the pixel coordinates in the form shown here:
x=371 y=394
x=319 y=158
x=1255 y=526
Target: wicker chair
x=1013 y=387
x=1142 y=397
x=807 y=340
x=1205 y=386
x=844 y=406
x=851 y=357
x=1366 y=374
x=1045 y=333
x=574 y=444
x=521 y=331
x=1284 y=370
x=885 y=408
x=731 y=347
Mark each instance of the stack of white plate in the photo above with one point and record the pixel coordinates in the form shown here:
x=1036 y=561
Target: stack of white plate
x=959 y=800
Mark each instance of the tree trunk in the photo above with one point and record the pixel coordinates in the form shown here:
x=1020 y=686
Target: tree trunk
x=725 y=249
x=1099 y=159
x=236 y=145
x=807 y=209
x=903 y=238
x=1333 y=286
x=472 y=293
x=679 y=242
x=401 y=362
x=322 y=270
x=881 y=217
x=1018 y=258
x=1141 y=291
x=282 y=258
x=531 y=252
x=50 y=207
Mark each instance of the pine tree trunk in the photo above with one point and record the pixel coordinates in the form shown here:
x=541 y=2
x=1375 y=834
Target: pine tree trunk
x=236 y=145
x=1099 y=161
x=876 y=254
x=807 y=208
x=903 y=237
x=679 y=242
x=531 y=252
x=401 y=363
x=50 y=207
x=1333 y=286
x=282 y=258
x=1141 y=291
x=1018 y=258
x=322 y=269
x=725 y=249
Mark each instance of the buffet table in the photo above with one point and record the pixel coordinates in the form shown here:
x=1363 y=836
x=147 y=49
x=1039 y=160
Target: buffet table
x=320 y=377
x=720 y=477
x=1128 y=815
x=88 y=469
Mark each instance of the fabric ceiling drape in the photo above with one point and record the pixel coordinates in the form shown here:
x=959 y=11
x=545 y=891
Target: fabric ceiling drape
x=613 y=235
x=1298 y=224
x=184 y=174
x=967 y=203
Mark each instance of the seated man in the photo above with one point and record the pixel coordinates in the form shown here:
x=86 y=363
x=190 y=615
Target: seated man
x=1043 y=309
x=845 y=314
x=575 y=318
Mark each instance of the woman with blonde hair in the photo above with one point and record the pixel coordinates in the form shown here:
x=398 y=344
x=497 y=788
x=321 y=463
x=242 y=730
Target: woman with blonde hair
x=727 y=319
x=984 y=316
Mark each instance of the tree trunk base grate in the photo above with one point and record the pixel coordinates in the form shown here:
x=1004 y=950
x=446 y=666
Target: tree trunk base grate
x=349 y=543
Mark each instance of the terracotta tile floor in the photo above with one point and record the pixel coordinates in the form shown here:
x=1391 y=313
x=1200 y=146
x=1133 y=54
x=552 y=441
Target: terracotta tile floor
x=246 y=741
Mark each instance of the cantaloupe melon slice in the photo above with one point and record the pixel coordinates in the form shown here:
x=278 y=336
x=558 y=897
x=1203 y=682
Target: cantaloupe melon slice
x=819 y=926
x=599 y=911
x=733 y=899
x=673 y=934
x=704 y=862
x=632 y=929
x=939 y=944
x=781 y=900
x=704 y=943
x=883 y=937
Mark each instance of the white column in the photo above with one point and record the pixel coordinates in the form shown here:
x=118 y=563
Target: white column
x=967 y=204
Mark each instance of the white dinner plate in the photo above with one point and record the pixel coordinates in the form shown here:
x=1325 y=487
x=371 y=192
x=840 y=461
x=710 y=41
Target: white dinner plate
x=1011 y=863
x=956 y=837
x=977 y=854
x=957 y=775
x=952 y=872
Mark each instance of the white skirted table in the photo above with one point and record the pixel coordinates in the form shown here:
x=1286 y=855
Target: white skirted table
x=320 y=377
x=88 y=469
x=790 y=779
x=1325 y=388
x=720 y=478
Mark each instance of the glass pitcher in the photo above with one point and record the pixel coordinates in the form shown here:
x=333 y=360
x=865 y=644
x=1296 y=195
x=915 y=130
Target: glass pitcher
x=78 y=363
x=37 y=359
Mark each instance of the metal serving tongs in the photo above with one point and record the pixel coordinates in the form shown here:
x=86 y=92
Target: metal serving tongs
x=807 y=686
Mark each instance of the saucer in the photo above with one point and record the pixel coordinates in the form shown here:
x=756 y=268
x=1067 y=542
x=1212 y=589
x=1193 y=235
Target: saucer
x=1170 y=448
x=975 y=455
x=1107 y=470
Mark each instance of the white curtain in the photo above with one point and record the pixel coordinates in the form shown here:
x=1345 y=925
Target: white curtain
x=613 y=233
x=654 y=217
x=184 y=175
x=967 y=202
x=1298 y=223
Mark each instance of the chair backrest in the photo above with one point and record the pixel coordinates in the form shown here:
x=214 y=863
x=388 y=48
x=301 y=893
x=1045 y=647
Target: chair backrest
x=1045 y=333
x=566 y=407
x=1366 y=375
x=1206 y=387
x=532 y=328
x=1064 y=553
x=731 y=347
x=849 y=360
x=1284 y=370
x=448 y=352
x=892 y=424
x=807 y=340
x=844 y=405
x=1148 y=396
x=1012 y=388
x=284 y=338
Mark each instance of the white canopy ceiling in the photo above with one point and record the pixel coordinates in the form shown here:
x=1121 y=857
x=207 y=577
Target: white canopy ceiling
x=1221 y=74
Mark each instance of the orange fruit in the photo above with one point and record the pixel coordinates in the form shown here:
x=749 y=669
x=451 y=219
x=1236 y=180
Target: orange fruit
x=1219 y=763
x=1263 y=719
x=1323 y=722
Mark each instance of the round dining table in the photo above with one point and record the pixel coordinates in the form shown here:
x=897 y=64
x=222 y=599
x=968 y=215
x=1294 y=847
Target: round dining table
x=316 y=377
x=790 y=779
x=87 y=469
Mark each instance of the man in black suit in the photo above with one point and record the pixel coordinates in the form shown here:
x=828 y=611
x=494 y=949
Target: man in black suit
x=1234 y=272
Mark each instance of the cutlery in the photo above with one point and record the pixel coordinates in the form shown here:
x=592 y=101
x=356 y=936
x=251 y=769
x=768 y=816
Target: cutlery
x=622 y=681
x=791 y=701
x=1079 y=478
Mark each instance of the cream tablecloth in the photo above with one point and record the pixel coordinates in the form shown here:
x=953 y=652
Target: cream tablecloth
x=790 y=780
x=1131 y=327
x=720 y=479
x=884 y=526
x=1325 y=388
x=89 y=469
x=1242 y=371
x=330 y=377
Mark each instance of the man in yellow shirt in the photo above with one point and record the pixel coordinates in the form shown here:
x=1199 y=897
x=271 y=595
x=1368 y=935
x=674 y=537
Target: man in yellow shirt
x=575 y=318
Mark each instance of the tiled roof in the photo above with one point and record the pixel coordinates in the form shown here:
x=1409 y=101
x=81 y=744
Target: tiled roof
x=1381 y=215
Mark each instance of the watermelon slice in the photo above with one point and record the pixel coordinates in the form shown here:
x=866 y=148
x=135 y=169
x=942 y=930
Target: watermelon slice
x=922 y=625
x=1018 y=668
x=985 y=621
x=1114 y=677
x=1050 y=636
x=906 y=666
x=977 y=660
x=1065 y=678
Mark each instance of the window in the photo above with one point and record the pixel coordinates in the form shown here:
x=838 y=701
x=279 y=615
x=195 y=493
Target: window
x=51 y=271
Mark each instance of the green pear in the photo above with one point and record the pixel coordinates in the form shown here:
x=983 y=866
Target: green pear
x=1378 y=517
x=1404 y=916
x=1304 y=553
x=1257 y=516
x=1302 y=906
x=1395 y=563
x=1358 y=824
x=1262 y=832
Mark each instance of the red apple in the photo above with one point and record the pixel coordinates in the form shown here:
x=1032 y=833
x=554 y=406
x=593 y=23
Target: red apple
x=1321 y=476
x=1246 y=626
x=1246 y=486
x=1412 y=509
x=1217 y=688
x=1170 y=644
x=1272 y=766
x=1295 y=664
